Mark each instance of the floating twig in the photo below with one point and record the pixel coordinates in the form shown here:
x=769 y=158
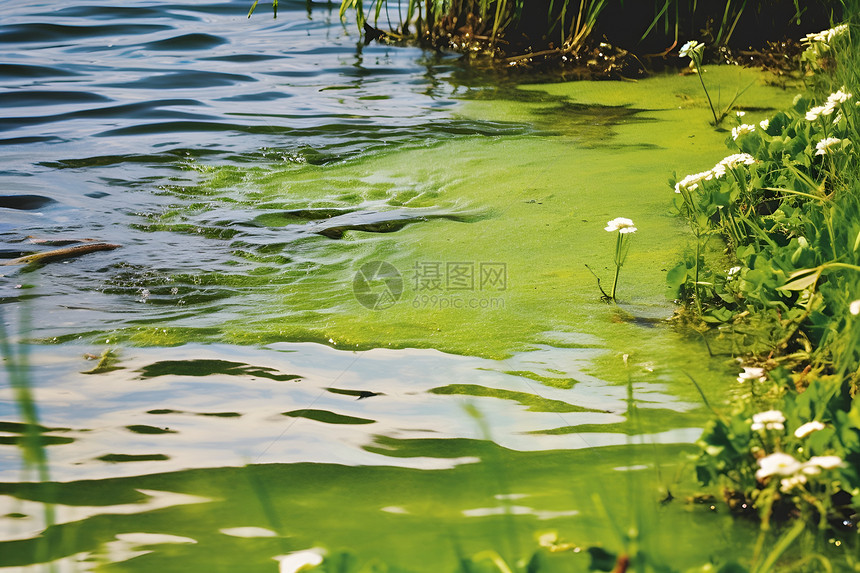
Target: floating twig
x=59 y=254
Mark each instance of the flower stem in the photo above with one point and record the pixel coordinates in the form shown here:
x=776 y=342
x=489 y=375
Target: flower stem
x=707 y=95
x=618 y=261
x=615 y=281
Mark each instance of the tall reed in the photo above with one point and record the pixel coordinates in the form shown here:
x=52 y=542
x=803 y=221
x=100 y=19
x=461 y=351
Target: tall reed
x=33 y=451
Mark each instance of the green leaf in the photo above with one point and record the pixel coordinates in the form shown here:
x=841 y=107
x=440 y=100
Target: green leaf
x=677 y=276
x=801 y=279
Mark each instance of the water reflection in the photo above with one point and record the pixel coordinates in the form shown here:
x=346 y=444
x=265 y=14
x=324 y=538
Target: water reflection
x=166 y=409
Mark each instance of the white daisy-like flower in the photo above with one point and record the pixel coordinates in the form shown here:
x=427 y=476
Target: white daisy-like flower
x=688 y=49
x=299 y=561
x=839 y=96
x=789 y=483
x=740 y=113
x=825 y=36
x=719 y=171
x=854 y=307
x=808 y=428
x=777 y=464
x=742 y=129
x=764 y=124
x=770 y=420
x=768 y=415
x=753 y=373
x=691 y=182
x=825 y=144
x=734 y=271
x=824 y=462
x=814 y=113
x=620 y=224
x=737 y=159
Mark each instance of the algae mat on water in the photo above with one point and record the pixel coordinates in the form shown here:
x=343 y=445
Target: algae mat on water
x=485 y=238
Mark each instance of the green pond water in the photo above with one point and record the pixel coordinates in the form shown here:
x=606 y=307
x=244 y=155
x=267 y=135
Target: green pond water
x=288 y=415
x=534 y=205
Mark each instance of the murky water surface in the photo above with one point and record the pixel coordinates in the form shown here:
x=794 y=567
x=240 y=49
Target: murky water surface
x=350 y=306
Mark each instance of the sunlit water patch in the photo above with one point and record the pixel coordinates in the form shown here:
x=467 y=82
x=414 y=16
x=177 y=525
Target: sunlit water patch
x=222 y=456
x=157 y=410
x=203 y=442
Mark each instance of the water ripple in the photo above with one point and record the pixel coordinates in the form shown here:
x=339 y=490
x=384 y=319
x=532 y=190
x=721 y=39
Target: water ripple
x=186 y=42
x=45 y=33
x=115 y=114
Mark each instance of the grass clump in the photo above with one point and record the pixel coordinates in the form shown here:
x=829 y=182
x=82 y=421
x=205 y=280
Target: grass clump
x=785 y=297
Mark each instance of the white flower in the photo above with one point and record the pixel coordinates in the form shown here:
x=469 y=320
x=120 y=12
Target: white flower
x=777 y=464
x=808 y=428
x=689 y=48
x=740 y=113
x=825 y=144
x=770 y=420
x=299 y=561
x=718 y=171
x=818 y=463
x=742 y=129
x=734 y=160
x=765 y=123
x=838 y=96
x=826 y=36
x=753 y=373
x=824 y=462
x=691 y=182
x=789 y=483
x=813 y=113
x=810 y=469
x=734 y=271
x=620 y=224
x=819 y=110
x=769 y=415
x=854 y=307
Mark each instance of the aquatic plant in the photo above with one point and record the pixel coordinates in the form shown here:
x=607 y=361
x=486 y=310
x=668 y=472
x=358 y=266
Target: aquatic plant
x=562 y=27
x=623 y=227
x=32 y=442
x=695 y=51
x=787 y=207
